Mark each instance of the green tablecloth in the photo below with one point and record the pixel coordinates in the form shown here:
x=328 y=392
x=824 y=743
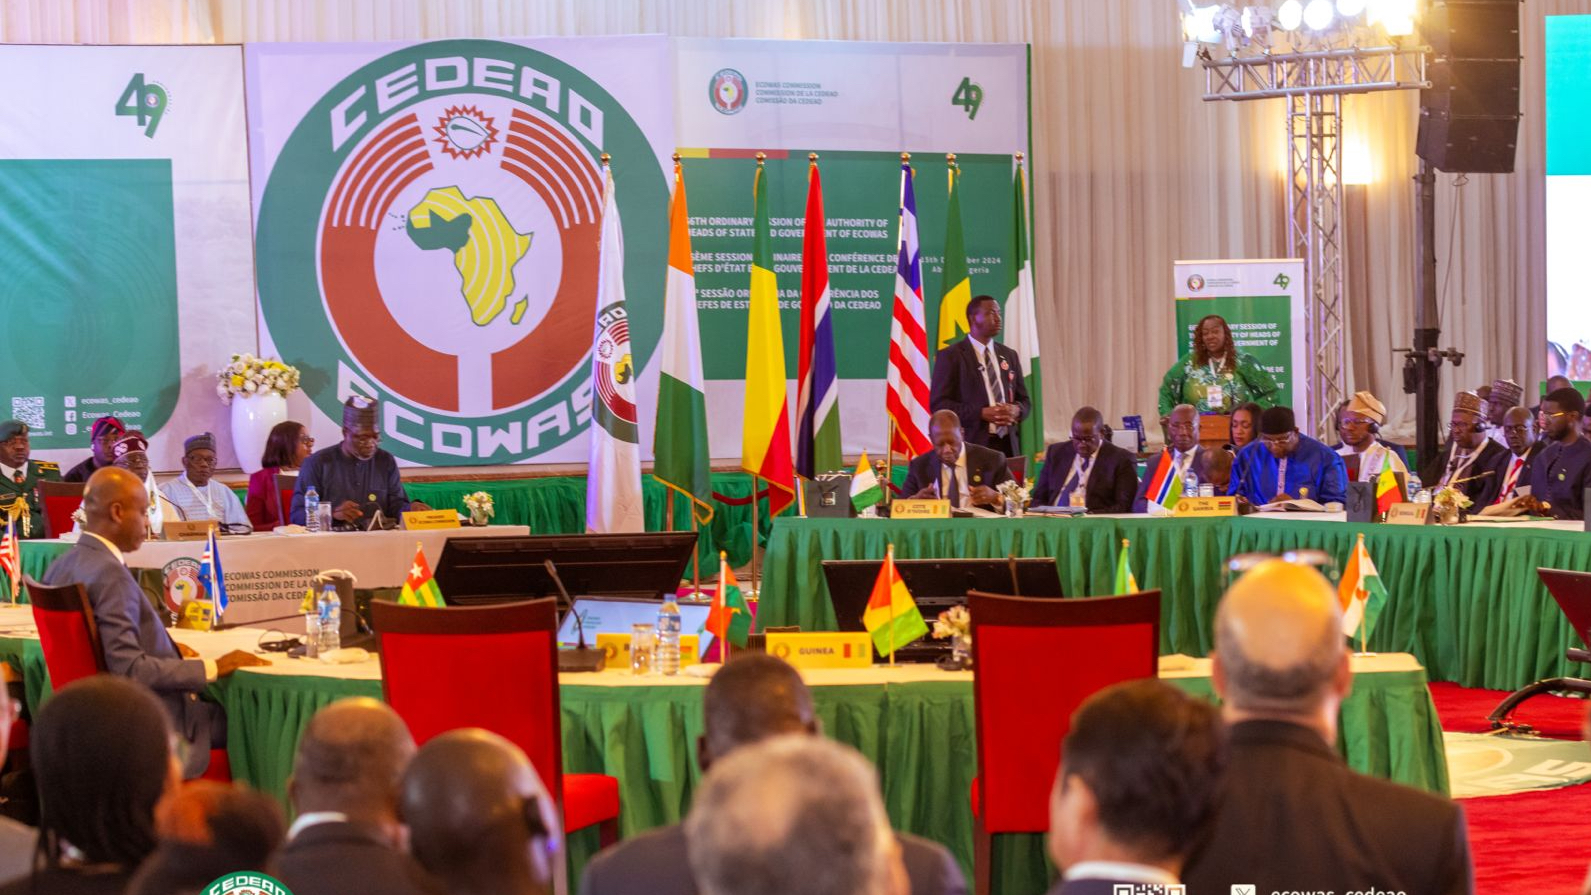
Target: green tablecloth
x=1465 y=600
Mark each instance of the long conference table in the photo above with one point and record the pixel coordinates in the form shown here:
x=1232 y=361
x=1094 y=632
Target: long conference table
x=915 y=723
x=1464 y=600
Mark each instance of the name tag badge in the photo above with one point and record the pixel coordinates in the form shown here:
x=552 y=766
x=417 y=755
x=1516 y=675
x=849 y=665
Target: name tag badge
x=1215 y=396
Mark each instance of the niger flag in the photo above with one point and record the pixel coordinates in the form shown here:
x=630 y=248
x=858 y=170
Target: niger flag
x=765 y=438
x=892 y=616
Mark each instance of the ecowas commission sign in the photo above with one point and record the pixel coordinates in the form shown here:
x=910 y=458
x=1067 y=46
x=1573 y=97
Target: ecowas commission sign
x=429 y=233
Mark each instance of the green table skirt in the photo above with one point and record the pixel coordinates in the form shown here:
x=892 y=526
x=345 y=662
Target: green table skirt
x=1465 y=600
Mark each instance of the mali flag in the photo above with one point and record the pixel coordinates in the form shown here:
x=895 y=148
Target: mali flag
x=956 y=284
x=1126 y=581
x=1362 y=594
x=1387 y=490
x=419 y=588
x=730 y=618
x=765 y=438
x=892 y=616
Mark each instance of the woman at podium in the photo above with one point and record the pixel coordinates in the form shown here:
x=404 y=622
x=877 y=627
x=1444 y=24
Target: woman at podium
x=1215 y=377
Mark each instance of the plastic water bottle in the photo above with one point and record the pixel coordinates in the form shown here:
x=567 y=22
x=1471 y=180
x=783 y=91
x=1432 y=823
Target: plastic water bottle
x=331 y=610
x=311 y=507
x=1190 y=484
x=312 y=634
x=1422 y=496
x=668 y=628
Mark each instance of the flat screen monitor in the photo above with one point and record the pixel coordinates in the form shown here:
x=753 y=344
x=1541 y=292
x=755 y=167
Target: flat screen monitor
x=477 y=571
x=602 y=615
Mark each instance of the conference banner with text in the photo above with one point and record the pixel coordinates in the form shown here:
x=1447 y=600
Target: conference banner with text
x=1263 y=304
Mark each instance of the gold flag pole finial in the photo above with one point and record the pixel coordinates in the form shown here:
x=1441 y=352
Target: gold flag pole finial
x=676 y=156
x=606 y=158
x=1020 y=156
x=761 y=157
x=905 y=156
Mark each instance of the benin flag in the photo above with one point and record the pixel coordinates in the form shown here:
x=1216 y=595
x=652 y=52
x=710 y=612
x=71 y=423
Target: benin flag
x=765 y=438
x=730 y=618
x=1126 y=581
x=1387 y=490
x=419 y=588
x=865 y=489
x=679 y=445
x=1022 y=321
x=892 y=616
x=955 y=286
x=1362 y=593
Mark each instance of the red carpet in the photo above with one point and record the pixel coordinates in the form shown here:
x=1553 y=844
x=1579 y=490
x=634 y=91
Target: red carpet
x=1536 y=842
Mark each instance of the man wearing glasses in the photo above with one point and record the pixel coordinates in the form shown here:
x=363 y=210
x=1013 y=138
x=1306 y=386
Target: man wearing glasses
x=1561 y=472
x=197 y=494
x=1472 y=463
x=355 y=477
x=1286 y=465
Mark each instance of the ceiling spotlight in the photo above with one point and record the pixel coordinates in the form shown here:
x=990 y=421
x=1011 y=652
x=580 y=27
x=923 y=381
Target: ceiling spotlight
x=1318 y=15
x=1257 y=21
x=1290 y=15
x=1350 y=8
x=1199 y=25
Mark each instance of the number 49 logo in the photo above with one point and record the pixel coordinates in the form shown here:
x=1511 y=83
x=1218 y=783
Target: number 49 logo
x=147 y=102
x=968 y=96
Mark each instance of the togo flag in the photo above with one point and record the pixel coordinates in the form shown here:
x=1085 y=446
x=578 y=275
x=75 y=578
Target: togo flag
x=613 y=473
x=1022 y=322
x=892 y=616
x=680 y=439
x=865 y=489
x=1362 y=594
x=1126 y=581
x=419 y=588
x=957 y=283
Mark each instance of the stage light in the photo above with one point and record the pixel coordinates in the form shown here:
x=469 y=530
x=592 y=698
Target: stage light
x=1350 y=8
x=1318 y=15
x=1257 y=22
x=1290 y=15
x=1199 y=25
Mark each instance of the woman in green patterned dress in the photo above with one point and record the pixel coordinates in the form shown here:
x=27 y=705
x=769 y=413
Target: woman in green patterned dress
x=1215 y=377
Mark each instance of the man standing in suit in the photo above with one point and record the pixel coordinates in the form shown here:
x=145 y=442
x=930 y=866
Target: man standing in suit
x=1183 y=455
x=1519 y=431
x=1472 y=460
x=754 y=698
x=131 y=632
x=1561 y=472
x=19 y=480
x=1139 y=772
x=1291 y=815
x=956 y=470
x=1105 y=475
x=345 y=785
x=981 y=380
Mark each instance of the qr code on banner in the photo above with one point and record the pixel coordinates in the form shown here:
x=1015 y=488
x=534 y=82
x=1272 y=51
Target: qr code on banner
x=1148 y=889
x=29 y=410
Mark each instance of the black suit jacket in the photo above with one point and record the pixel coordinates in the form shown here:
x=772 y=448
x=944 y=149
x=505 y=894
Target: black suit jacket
x=655 y=863
x=958 y=384
x=1140 y=503
x=1482 y=491
x=984 y=467
x=1112 y=484
x=1291 y=816
x=338 y=858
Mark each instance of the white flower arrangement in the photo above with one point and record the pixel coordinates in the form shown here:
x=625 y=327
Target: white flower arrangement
x=1014 y=491
x=480 y=504
x=247 y=376
x=953 y=622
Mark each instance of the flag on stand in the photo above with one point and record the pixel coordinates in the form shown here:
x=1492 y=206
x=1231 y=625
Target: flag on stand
x=817 y=392
x=212 y=577
x=1362 y=594
x=679 y=446
x=1126 y=581
x=765 y=440
x=956 y=285
x=419 y=588
x=1022 y=321
x=613 y=471
x=906 y=392
x=1165 y=486
x=892 y=616
x=1387 y=490
x=11 y=558
x=865 y=489
x=730 y=618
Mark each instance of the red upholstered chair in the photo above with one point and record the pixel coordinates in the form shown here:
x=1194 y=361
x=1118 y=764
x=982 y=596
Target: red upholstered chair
x=494 y=667
x=59 y=500
x=1034 y=662
x=284 y=497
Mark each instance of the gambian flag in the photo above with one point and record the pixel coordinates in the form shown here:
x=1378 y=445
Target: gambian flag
x=419 y=588
x=892 y=616
x=1022 y=321
x=1362 y=593
x=730 y=618
x=679 y=444
x=1126 y=581
x=765 y=438
x=865 y=489
x=818 y=387
x=956 y=284
x=1387 y=490
x=1165 y=486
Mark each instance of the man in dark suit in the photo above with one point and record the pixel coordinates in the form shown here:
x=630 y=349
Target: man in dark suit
x=1519 y=433
x=1562 y=471
x=981 y=380
x=1183 y=455
x=131 y=631
x=1291 y=816
x=1106 y=474
x=754 y=698
x=958 y=471
x=345 y=785
x=1472 y=459
x=1139 y=772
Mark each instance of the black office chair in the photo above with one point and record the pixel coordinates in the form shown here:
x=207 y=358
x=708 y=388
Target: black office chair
x=1572 y=591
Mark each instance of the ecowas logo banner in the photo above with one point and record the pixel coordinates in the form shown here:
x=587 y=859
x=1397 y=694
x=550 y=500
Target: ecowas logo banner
x=428 y=236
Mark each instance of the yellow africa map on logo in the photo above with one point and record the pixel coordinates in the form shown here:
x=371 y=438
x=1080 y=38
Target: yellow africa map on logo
x=484 y=244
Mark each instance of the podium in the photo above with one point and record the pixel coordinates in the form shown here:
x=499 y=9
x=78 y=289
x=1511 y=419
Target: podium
x=1215 y=429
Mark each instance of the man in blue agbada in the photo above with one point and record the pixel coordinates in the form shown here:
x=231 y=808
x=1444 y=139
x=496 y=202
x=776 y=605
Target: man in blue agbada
x=1285 y=464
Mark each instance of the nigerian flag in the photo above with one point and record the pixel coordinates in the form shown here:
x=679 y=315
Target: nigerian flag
x=679 y=444
x=956 y=285
x=1022 y=322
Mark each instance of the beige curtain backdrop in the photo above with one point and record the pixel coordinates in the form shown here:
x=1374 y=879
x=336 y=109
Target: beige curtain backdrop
x=1131 y=169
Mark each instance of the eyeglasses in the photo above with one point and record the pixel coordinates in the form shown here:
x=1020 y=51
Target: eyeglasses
x=1552 y=416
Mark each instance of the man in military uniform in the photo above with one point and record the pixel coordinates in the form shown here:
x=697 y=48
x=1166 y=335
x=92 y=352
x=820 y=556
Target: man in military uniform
x=19 y=480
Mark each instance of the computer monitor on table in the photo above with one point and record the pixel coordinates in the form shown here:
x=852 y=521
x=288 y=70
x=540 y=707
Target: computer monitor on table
x=644 y=566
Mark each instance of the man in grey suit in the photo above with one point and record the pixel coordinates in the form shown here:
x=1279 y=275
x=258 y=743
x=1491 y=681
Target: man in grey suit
x=131 y=632
x=1183 y=454
x=751 y=699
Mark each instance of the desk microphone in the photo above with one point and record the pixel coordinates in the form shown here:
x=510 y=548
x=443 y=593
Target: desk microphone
x=581 y=658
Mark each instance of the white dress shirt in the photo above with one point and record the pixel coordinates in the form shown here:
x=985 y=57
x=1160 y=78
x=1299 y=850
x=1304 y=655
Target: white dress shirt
x=961 y=479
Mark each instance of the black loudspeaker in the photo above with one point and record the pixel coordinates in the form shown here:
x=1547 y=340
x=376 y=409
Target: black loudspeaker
x=1361 y=505
x=1469 y=118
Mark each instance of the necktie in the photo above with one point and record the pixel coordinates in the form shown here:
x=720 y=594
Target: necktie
x=996 y=394
x=1517 y=464
x=953 y=493
x=1065 y=498
x=18 y=477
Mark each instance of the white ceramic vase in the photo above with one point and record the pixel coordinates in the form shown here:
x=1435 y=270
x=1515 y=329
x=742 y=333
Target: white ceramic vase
x=252 y=420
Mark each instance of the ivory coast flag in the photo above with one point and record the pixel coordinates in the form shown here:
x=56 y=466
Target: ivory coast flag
x=1387 y=490
x=1362 y=594
x=865 y=489
x=955 y=286
x=679 y=444
x=1022 y=321
x=1126 y=581
x=765 y=438
x=892 y=616
x=419 y=588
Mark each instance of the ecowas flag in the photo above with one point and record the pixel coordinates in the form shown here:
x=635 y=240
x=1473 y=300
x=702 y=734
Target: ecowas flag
x=679 y=444
x=613 y=475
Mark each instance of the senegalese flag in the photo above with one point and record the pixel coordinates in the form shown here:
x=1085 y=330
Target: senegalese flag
x=730 y=618
x=419 y=588
x=817 y=382
x=679 y=444
x=1362 y=593
x=1165 y=486
x=956 y=284
x=1126 y=581
x=1022 y=321
x=892 y=616
x=765 y=436
x=1387 y=490
x=865 y=489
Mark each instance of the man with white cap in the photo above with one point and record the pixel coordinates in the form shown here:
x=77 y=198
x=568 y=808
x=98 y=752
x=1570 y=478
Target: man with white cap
x=196 y=492
x=1471 y=462
x=355 y=477
x=1505 y=394
x=1362 y=450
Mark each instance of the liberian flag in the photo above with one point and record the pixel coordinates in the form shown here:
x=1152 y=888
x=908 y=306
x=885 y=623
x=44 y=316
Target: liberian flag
x=892 y=616
x=679 y=442
x=1362 y=594
x=765 y=437
x=1165 y=486
x=817 y=395
x=11 y=558
x=1022 y=321
x=906 y=393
